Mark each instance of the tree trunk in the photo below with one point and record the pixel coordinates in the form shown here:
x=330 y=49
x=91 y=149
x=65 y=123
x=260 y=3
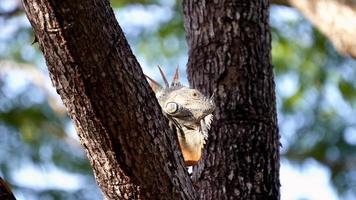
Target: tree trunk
x=133 y=152
x=229 y=54
x=334 y=18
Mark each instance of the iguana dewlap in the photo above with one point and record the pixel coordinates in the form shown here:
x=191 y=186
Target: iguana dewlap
x=189 y=112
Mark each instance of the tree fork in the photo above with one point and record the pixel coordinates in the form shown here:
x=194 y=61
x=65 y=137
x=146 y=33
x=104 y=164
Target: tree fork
x=133 y=152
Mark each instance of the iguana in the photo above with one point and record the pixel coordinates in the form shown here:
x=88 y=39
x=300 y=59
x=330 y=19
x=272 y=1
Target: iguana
x=188 y=111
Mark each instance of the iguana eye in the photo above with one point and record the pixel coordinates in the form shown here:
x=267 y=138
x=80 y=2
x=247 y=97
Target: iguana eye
x=171 y=107
x=195 y=94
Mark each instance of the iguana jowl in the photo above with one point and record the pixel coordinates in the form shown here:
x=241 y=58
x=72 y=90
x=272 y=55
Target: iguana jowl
x=189 y=112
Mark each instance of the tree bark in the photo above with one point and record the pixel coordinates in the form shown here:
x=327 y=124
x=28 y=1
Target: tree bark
x=229 y=54
x=133 y=152
x=334 y=18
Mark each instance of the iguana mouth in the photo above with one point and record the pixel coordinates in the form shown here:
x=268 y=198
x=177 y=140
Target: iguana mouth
x=189 y=127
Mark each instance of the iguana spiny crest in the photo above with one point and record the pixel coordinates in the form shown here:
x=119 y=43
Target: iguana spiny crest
x=188 y=111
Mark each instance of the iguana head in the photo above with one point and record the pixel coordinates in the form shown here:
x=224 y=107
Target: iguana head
x=187 y=105
x=188 y=110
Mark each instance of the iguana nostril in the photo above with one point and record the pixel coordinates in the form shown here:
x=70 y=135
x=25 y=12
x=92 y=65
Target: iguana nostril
x=171 y=107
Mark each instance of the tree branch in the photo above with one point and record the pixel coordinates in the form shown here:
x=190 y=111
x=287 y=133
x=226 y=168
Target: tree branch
x=5 y=191
x=133 y=152
x=334 y=18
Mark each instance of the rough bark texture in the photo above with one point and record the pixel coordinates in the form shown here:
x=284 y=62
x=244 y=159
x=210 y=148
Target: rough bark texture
x=336 y=19
x=128 y=142
x=229 y=53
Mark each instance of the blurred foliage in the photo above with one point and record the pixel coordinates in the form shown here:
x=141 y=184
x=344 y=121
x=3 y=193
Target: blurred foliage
x=316 y=96
x=316 y=99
